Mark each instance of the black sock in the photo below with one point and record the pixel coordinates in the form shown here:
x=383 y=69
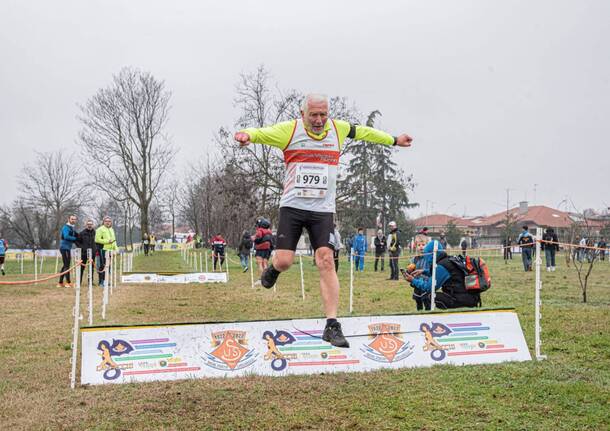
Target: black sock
x=330 y=322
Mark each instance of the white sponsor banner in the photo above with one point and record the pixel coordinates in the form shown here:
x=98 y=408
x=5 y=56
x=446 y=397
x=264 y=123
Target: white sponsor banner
x=49 y=253
x=277 y=348
x=139 y=278
x=196 y=277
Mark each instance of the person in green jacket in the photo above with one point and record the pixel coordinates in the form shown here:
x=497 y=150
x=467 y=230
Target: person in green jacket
x=106 y=241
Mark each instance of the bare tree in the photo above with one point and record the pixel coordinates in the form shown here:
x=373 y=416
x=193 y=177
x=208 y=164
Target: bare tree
x=123 y=135
x=170 y=203
x=53 y=188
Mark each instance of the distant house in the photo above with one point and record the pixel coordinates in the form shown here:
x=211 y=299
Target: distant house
x=489 y=230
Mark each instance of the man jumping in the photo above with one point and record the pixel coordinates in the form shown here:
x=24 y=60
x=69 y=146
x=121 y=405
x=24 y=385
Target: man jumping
x=311 y=146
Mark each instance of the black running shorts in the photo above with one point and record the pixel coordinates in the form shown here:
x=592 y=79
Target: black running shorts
x=320 y=227
x=265 y=254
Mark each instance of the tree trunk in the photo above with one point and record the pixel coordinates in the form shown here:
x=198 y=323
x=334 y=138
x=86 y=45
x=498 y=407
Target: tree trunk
x=144 y=217
x=584 y=295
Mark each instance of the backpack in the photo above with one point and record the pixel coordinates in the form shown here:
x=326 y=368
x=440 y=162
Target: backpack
x=476 y=273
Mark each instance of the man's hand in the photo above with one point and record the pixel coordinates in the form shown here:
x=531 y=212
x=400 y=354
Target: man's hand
x=404 y=140
x=242 y=138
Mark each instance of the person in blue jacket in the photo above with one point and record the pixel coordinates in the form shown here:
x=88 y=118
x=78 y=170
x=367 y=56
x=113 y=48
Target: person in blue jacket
x=68 y=238
x=360 y=248
x=450 y=287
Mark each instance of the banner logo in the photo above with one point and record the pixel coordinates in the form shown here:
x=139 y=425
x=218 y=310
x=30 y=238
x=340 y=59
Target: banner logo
x=387 y=345
x=231 y=352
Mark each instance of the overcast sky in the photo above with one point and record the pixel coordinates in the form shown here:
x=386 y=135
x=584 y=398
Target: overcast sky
x=497 y=95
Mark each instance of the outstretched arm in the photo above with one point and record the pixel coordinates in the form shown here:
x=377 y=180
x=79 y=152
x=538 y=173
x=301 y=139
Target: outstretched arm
x=278 y=135
x=370 y=134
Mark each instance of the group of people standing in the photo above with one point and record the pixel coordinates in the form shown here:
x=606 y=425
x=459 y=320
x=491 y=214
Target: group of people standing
x=149 y=243
x=96 y=241
x=390 y=244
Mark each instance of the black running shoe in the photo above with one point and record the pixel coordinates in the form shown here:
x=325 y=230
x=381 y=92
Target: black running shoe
x=269 y=277
x=334 y=335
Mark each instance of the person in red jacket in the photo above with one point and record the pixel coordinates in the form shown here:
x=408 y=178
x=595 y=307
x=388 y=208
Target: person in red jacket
x=218 y=250
x=263 y=243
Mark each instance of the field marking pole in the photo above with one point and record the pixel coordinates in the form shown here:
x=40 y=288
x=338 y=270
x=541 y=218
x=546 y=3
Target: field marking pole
x=105 y=296
x=206 y=261
x=351 y=281
x=115 y=271
x=227 y=265
x=537 y=300
x=56 y=263
x=35 y=266
x=433 y=280
x=76 y=313
x=90 y=283
x=251 y=269
x=302 y=278
x=41 y=264
x=21 y=256
x=111 y=271
x=200 y=262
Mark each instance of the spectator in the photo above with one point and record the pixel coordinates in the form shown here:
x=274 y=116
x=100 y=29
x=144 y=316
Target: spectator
x=381 y=245
x=393 y=249
x=603 y=245
x=349 y=245
x=245 y=246
x=360 y=248
x=146 y=243
x=3 y=249
x=443 y=241
x=105 y=238
x=218 y=250
x=153 y=243
x=263 y=243
x=526 y=242
x=336 y=244
x=550 y=248
x=68 y=238
x=86 y=241
x=464 y=246
x=582 y=250
x=449 y=279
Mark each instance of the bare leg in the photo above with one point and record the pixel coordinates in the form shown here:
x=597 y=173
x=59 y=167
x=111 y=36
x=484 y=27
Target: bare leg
x=329 y=282
x=282 y=259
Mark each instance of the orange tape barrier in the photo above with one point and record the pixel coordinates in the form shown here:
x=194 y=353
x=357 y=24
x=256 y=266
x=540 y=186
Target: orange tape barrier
x=12 y=283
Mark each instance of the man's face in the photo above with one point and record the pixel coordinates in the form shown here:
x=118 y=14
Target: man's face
x=315 y=116
x=89 y=225
x=107 y=222
x=72 y=219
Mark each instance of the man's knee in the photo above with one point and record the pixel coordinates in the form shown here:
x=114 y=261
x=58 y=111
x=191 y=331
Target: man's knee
x=324 y=259
x=282 y=261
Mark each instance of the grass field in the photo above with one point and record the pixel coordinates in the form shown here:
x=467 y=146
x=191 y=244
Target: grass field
x=569 y=391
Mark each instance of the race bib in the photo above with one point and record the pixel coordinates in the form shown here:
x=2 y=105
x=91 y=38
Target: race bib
x=311 y=180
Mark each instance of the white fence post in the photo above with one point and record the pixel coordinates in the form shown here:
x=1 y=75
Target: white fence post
x=251 y=269
x=206 y=261
x=433 y=280
x=351 y=281
x=302 y=278
x=90 y=283
x=76 y=312
x=35 y=266
x=105 y=295
x=537 y=300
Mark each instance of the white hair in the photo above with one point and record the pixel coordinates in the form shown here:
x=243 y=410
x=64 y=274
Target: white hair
x=315 y=98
